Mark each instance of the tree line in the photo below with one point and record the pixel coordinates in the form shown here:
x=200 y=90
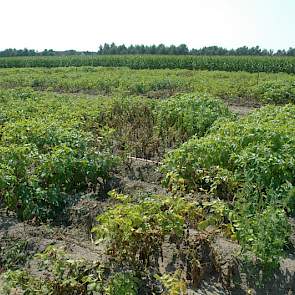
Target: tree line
x=161 y=49
x=182 y=49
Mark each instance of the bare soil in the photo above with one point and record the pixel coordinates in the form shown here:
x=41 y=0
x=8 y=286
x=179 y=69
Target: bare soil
x=241 y=110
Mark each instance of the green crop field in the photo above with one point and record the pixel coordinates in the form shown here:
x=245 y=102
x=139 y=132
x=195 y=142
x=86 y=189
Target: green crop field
x=258 y=88
x=136 y=174
x=252 y=64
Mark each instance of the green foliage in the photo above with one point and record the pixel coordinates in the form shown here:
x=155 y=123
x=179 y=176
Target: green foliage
x=66 y=276
x=257 y=150
x=251 y=161
x=46 y=157
x=22 y=280
x=213 y=63
x=135 y=232
x=276 y=92
x=59 y=274
x=173 y=283
x=56 y=145
x=36 y=184
x=161 y=83
x=123 y=283
x=183 y=116
x=44 y=134
x=13 y=253
x=52 y=147
x=265 y=234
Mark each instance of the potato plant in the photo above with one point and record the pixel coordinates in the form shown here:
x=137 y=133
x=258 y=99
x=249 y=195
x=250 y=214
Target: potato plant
x=61 y=274
x=278 y=92
x=265 y=234
x=183 y=116
x=46 y=160
x=251 y=162
x=134 y=231
x=39 y=185
x=146 y=128
x=64 y=276
x=256 y=150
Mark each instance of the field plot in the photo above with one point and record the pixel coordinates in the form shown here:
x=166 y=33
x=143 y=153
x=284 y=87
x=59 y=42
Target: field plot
x=147 y=181
x=252 y=64
x=235 y=87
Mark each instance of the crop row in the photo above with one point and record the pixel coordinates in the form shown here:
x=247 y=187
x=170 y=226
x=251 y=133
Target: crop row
x=259 y=87
x=250 y=64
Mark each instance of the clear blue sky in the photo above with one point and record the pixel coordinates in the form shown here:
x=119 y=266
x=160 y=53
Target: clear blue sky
x=84 y=24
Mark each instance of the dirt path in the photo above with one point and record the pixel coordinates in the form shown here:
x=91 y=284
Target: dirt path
x=241 y=110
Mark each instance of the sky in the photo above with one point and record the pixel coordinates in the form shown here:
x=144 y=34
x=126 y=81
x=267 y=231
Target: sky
x=85 y=24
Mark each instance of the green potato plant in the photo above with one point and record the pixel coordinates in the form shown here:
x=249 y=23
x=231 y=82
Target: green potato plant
x=249 y=162
x=134 y=232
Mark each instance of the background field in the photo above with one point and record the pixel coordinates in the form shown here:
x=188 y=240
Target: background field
x=242 y=87
x=252 y=64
